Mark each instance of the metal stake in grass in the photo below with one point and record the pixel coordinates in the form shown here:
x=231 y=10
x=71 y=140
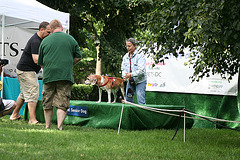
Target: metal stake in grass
x=184 y=126
x=119 y=126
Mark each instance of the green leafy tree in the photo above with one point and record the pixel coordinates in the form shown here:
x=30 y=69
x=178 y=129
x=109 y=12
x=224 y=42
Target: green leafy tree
x=87 y=65
x=209 y=28
x=110 y=21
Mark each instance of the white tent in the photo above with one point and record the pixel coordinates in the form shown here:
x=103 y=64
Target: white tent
x=29 y=13
x=24 y=15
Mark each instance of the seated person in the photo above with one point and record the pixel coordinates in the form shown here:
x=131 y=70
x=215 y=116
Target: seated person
x=6 y=106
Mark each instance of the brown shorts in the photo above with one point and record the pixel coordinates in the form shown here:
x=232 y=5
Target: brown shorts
x=57 y=94
x=28 y=85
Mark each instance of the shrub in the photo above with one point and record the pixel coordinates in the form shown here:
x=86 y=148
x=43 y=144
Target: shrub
x=81 y=91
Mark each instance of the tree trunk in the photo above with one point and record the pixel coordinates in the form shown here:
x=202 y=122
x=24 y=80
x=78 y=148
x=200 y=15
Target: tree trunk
x=99 y=62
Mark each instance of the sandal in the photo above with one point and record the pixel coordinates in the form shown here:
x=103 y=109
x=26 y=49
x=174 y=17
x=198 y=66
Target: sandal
x=14 y=119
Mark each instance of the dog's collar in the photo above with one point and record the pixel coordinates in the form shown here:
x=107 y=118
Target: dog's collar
x=104 y=83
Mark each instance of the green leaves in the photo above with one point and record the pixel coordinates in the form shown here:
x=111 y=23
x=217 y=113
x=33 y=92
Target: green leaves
x=110 y=21
x=211 y=28
x=208 y=27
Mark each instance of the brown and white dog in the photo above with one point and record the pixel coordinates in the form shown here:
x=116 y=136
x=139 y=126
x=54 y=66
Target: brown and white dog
x=109 y=84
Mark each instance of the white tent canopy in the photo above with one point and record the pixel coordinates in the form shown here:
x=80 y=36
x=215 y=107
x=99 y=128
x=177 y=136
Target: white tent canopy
x=29 y=14
x=23 y=14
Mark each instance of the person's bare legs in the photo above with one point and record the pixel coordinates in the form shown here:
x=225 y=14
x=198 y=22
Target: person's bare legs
x=19 y=104
x=61 y=115
x=32 y=109
x=48 y=113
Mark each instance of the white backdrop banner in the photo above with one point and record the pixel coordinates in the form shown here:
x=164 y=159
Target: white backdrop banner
x=14 y=42
x=173 y=76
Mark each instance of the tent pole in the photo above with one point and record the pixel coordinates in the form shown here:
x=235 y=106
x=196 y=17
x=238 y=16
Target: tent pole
x=3 y=26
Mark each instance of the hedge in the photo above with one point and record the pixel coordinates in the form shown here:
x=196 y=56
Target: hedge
x=90 y=93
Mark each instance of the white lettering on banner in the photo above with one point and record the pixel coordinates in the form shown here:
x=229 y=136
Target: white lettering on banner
x=74 y=110
x=174 y=76
x=80 y=111
x=83 y=111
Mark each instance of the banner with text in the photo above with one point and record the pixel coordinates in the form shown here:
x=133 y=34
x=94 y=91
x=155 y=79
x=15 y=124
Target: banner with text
x=80 y=111
x=173 y=76
x=15 y=39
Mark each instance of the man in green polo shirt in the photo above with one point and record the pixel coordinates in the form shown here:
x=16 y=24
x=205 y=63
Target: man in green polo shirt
x=57 y=54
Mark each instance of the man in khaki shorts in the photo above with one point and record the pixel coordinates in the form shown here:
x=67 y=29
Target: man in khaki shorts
x=57 y=94
x=27 y=70
x=57 y=54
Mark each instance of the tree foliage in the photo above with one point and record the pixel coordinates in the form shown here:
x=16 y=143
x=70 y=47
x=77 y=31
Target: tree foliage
x=110 y=21
x=209 y=28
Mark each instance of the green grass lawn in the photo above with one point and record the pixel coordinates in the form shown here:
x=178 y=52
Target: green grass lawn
x=18 y=140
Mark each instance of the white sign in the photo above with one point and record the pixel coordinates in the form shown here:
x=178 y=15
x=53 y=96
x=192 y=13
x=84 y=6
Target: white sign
x=173 y=76
x=14 y=42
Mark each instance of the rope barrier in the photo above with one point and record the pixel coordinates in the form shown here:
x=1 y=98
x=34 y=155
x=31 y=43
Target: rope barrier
x=217 y=123
x=184 y=111
x=216 y=119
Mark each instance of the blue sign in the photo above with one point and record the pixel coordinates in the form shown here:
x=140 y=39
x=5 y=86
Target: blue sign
x=79 y=111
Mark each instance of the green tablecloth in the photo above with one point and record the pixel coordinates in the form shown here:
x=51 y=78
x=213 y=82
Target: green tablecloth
x=217 y=106
x=104 y=115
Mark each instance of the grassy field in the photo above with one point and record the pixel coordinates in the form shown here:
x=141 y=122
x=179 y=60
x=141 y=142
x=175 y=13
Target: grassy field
x=18 y=140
